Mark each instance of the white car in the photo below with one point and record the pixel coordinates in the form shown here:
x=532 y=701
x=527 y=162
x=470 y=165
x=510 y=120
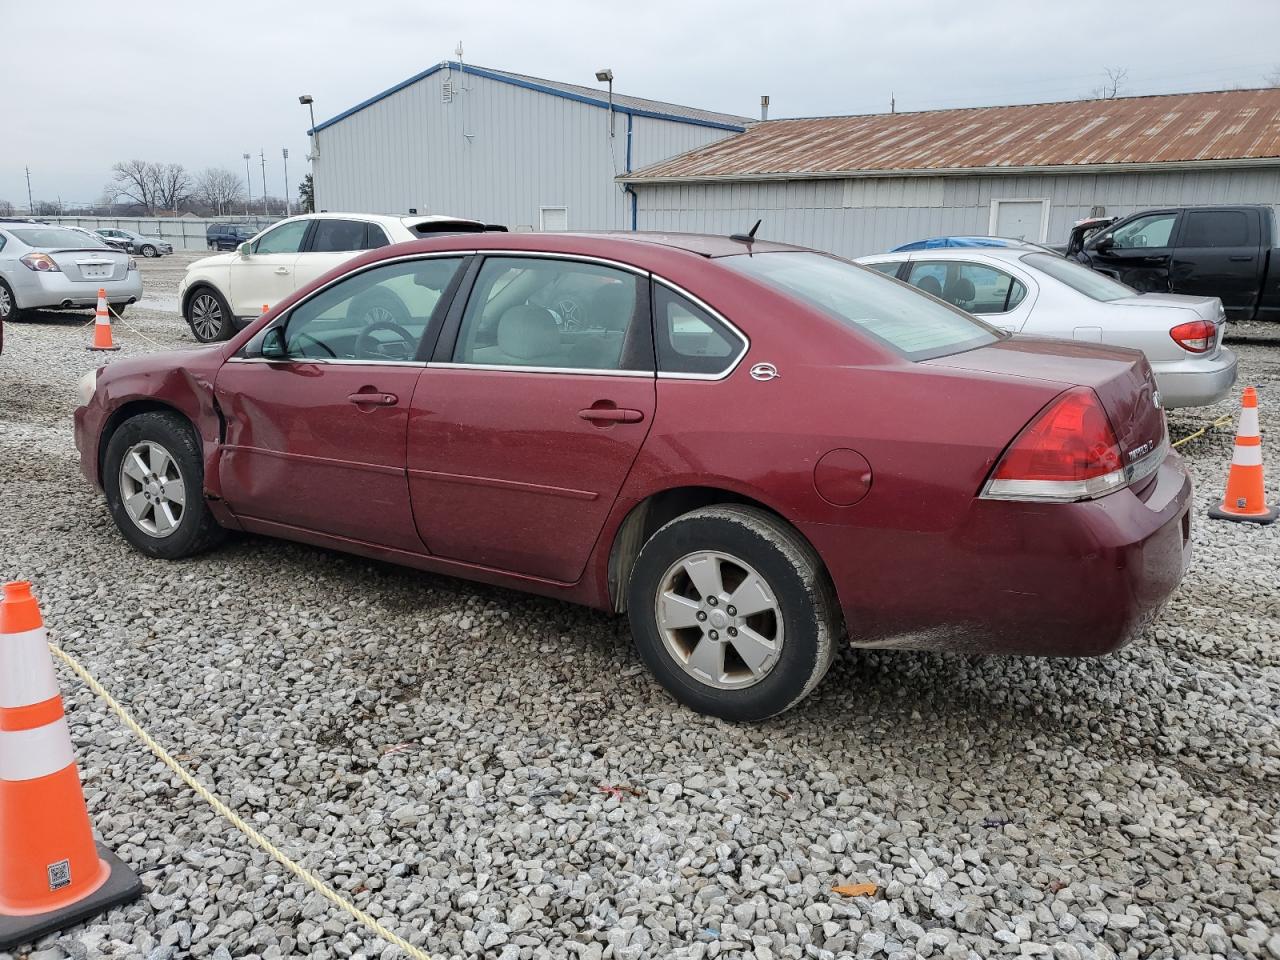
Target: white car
x=220 y=294
x=1031 y=292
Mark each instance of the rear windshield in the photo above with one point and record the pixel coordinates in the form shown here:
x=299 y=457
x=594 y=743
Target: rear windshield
x=1079 y=278
x=53 y=237
x=907 y=321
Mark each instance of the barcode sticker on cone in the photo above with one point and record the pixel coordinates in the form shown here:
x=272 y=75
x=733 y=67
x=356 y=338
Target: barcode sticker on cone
x=59 y=874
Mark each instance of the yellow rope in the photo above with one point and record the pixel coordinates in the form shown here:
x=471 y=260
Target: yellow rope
x=1225 y=418
x=310 y=879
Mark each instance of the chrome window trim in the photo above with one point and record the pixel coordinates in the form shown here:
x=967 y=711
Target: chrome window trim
x=702 y=304
x=337 y=361
x=515 y=368
x=553 y=255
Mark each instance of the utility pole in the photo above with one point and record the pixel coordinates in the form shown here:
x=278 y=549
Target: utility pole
x=31 y=204
x=263 y=154
x=893 y=104
x=284 y=152
x=249 y=182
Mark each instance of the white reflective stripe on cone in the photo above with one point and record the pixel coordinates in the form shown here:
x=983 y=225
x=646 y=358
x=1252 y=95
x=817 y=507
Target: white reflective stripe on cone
x=26 y=669
x=1247 y=455
x=31 y=754
x=1248 y=422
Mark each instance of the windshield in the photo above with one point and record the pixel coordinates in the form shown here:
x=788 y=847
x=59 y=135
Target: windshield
x=909 y=322
x=54 y=237
x=1079 y=278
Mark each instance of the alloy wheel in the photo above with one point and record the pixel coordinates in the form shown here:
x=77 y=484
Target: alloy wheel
x=719 y=620
x=6 y=303
x=152 y=489
x=206 y=316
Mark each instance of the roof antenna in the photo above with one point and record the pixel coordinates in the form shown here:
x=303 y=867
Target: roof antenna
x=748 y=237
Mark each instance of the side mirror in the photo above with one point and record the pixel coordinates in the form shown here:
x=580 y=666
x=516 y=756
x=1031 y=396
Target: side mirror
x=1103 y=244
x=273 y=345
x=245 y=249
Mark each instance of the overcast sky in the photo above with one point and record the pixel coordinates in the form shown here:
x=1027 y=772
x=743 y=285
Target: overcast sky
x=203 y=83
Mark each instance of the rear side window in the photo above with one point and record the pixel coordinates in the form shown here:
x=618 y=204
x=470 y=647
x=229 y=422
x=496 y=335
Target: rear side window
x=377 y=237
x=974 y=287
x=889 y=269
x=337 y=236
x=914 y=326
x=1215 y=228
x=689 y=339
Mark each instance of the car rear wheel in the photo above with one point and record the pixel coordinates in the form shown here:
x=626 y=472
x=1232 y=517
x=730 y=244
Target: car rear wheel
x=9 y=311
x=733 y=612
x=153 y=475
x=209 y=316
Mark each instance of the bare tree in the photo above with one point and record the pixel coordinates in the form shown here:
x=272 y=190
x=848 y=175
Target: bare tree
x=171 y=184
x=219 y=189
x=135 y=181
x=46 y=208
x=1116 y=76
x=6 y=208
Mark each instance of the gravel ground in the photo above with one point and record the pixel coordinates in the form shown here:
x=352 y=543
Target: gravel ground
x=548 y=800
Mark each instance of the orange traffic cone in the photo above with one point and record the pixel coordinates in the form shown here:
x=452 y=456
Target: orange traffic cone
x=52 y=875
x=102 y=325
x=1245 y=500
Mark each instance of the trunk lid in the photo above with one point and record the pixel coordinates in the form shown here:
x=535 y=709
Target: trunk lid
x=91 y=264
x=1208 y=309
x=1120 y=377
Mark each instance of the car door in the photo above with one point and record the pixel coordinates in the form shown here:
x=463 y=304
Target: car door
x=317 y=406
x=332 y=242
x=1137 y=252
x=1219 y=254
x=983 y=289
x=528 y=420
x=265 y=275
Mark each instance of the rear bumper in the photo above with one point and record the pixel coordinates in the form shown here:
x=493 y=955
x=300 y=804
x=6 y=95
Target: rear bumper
x=1072 y=579
x=32 y=289
x=1195 y=381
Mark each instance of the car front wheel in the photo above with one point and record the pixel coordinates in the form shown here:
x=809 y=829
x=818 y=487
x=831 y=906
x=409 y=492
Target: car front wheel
x=148 y=251
x=733 y=612
x=153 y=476
x=209 y=316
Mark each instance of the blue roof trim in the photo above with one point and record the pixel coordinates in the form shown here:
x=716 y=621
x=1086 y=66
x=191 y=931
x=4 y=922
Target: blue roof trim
x=528 y=85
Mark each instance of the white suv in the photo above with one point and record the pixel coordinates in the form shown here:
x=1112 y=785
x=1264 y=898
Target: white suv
x=222 y=293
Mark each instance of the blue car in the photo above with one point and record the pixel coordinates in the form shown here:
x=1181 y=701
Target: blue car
x=940 y=242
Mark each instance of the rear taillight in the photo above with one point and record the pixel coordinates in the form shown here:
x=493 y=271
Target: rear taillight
x=1196 y=336
x=41 y=263
x=1068 y=452
x=133 y=264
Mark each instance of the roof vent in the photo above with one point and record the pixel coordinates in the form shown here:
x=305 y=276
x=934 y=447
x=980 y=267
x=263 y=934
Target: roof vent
x=446 y=92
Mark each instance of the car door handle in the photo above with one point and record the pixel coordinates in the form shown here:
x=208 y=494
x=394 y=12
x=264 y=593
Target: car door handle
x=1240 y=259
x=611 y=415
x=374 y=399
x=283 y=271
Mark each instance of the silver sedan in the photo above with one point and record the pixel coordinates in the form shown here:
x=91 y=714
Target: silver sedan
x=1041 y=294
x=52 y=268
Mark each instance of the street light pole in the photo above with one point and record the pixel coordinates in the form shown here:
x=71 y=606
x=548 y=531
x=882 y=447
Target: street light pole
x=249 y=182
x=309 y=102
x=263 y=154
x=606 y=75
x=284 y=152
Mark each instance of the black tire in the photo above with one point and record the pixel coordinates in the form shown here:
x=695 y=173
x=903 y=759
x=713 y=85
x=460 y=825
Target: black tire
x=9 y=311
x=809 y=614
x=208 y=315
x=196 y=530
x=148 y=251
x=118 y=310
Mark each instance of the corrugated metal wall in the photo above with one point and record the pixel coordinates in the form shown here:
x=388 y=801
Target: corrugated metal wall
x=871 y=215
x=496 y=152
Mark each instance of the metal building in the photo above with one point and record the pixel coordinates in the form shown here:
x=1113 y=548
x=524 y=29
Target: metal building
x=501 y=147
x=863 y=184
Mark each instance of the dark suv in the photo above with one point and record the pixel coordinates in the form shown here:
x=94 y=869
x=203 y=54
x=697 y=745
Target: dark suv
x=228 y=236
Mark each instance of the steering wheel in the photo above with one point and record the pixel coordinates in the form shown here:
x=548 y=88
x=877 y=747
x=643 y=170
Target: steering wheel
x=319 y=343
x=367 y=345
x=569 y=311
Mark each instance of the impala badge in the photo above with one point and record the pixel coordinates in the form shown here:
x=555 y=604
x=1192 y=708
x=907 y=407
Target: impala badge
x=764 y=371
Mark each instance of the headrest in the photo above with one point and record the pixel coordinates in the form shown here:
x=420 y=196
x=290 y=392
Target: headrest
x=930 y=285
x=961 y=290
x=526 y=332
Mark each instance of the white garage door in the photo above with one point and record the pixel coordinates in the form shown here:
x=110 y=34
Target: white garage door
x=554 y=218
x=1019 y=219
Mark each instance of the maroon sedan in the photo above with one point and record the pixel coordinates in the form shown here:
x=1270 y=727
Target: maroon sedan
x=754 y=450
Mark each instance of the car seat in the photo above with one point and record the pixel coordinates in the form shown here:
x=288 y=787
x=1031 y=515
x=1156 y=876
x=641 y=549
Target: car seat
x=930 y=285
x=960 y=292
x=528 y=336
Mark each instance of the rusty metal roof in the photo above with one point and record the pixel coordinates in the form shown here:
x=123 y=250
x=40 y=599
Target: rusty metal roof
x=1223 y=127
